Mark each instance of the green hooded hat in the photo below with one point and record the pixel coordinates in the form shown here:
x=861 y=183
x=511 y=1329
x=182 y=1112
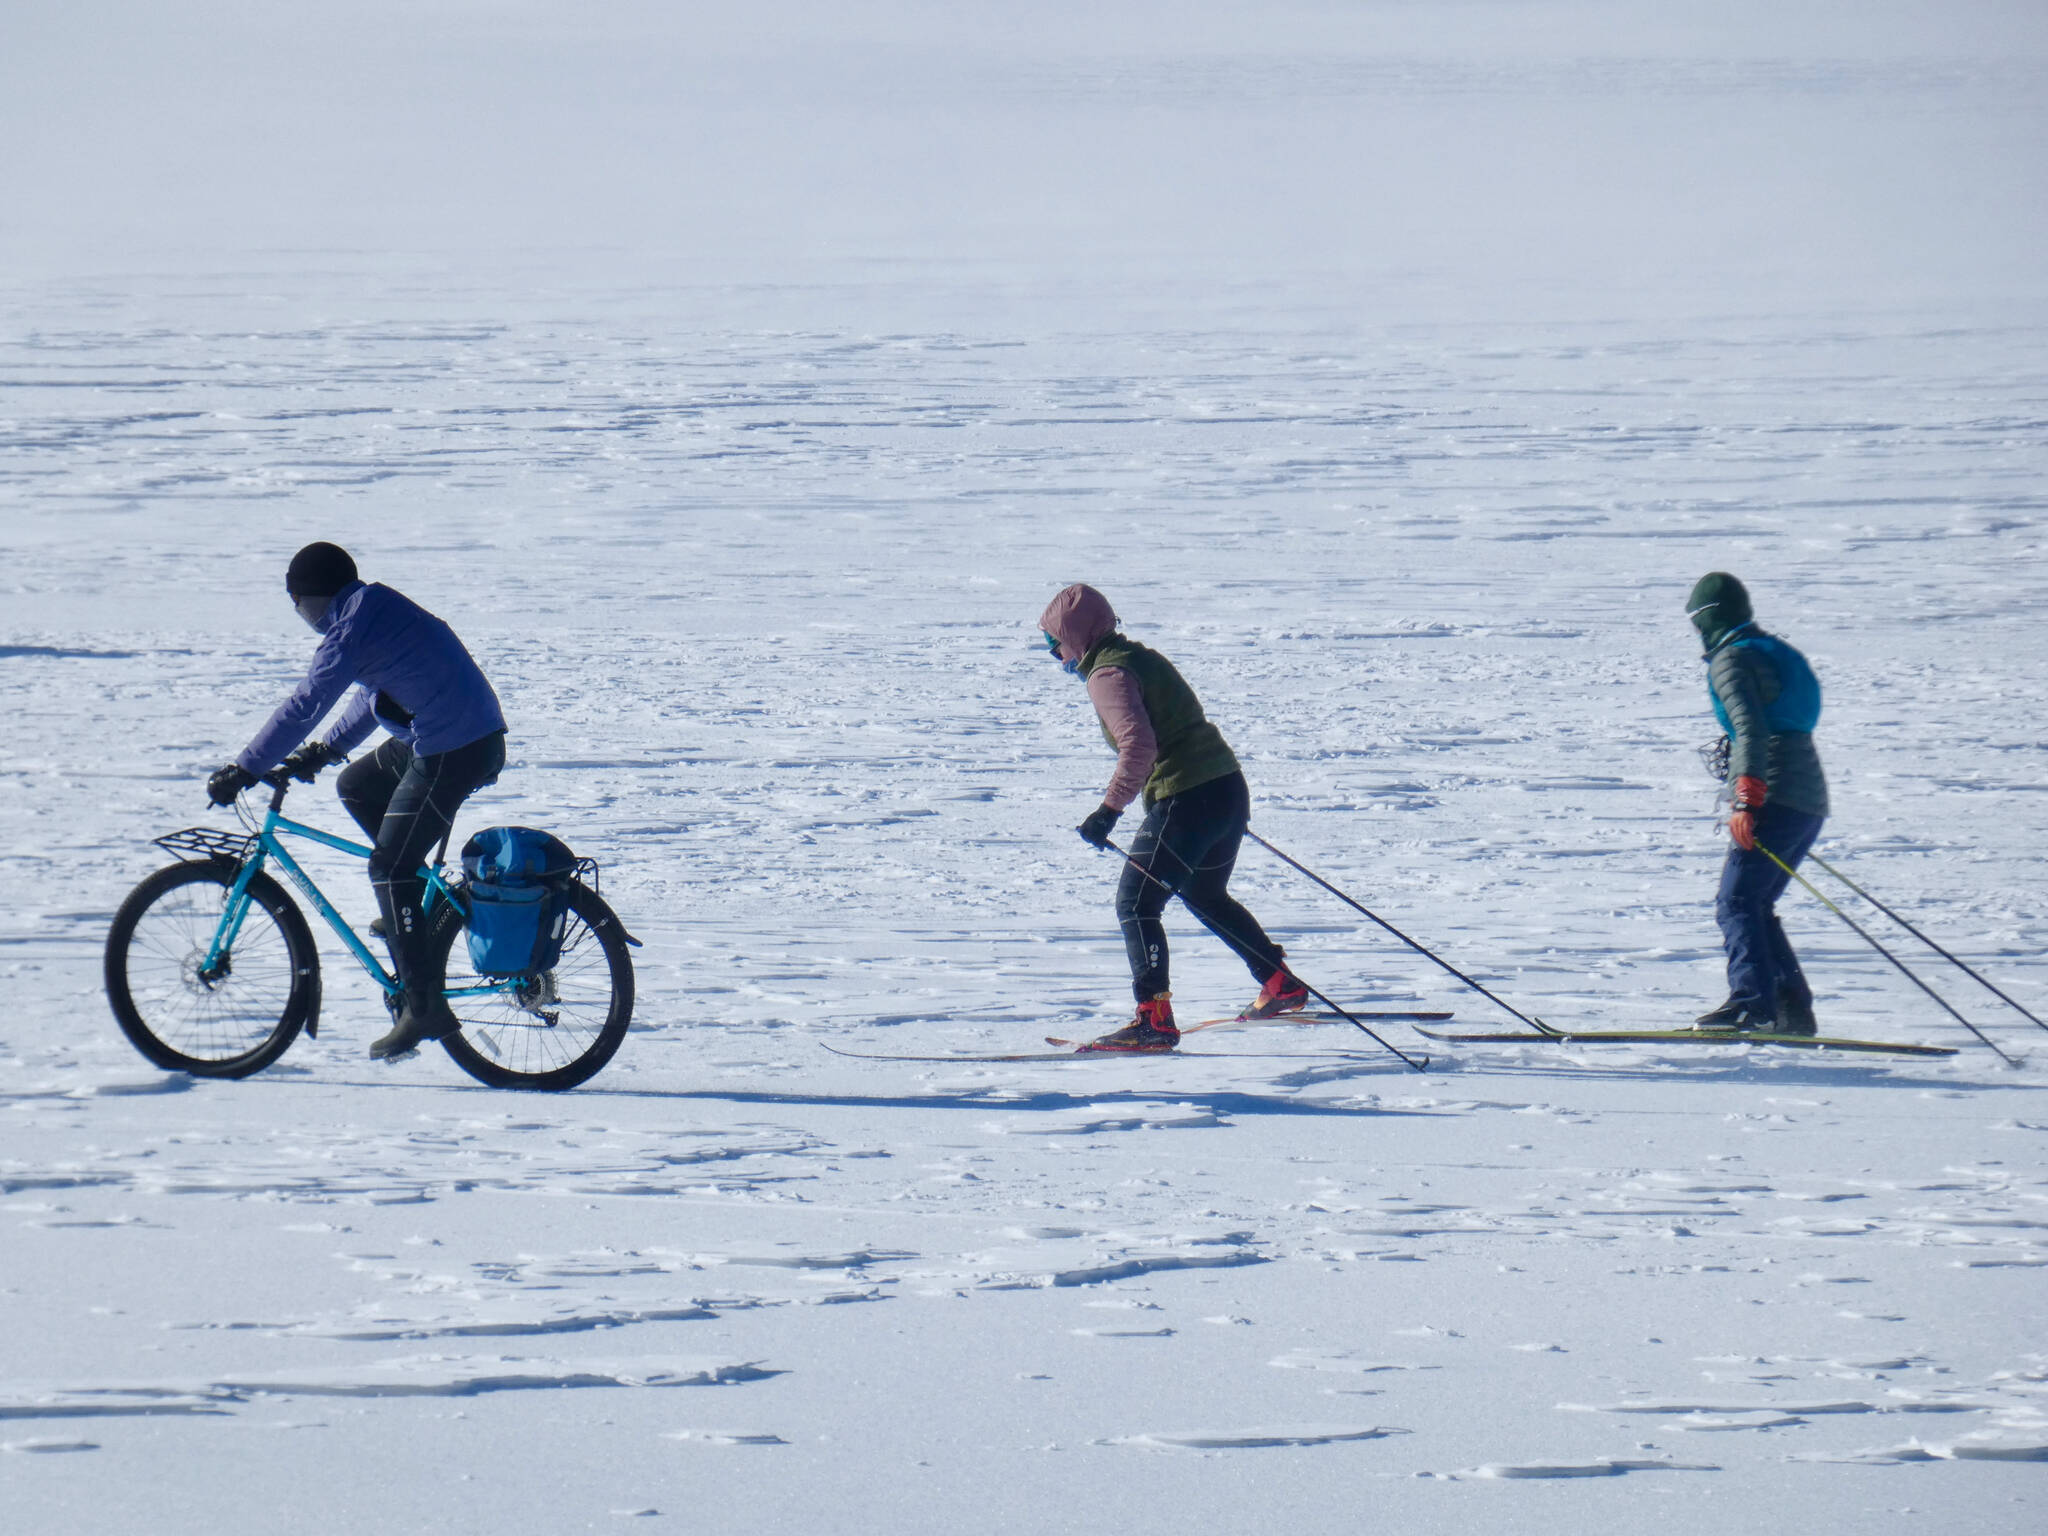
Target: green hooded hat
x=1717 y=604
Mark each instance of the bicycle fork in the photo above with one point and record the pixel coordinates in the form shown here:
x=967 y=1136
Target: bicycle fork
x=218 y=966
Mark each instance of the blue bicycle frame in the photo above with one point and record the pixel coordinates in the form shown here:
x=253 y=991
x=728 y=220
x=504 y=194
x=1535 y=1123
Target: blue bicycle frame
x=267 y=844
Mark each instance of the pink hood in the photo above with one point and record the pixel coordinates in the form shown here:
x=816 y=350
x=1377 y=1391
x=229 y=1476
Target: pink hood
x=1078 y=618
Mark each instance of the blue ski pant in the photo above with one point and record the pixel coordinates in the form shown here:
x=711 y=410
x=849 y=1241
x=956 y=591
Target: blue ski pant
x=1760 y=958
x=1187 y=847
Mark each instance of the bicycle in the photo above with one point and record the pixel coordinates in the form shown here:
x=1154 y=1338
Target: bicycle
x=212 y=970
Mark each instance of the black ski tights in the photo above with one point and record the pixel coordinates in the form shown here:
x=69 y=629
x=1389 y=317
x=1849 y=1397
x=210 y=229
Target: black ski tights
x=1187 y=847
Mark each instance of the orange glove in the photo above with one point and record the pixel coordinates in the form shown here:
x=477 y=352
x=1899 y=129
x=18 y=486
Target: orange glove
x=1749 y=799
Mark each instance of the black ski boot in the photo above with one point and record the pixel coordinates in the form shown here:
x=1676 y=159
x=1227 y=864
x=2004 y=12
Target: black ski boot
x=1735 y=1015
x=1795 y=1013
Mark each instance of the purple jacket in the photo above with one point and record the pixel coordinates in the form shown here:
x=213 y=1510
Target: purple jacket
x=400 y=655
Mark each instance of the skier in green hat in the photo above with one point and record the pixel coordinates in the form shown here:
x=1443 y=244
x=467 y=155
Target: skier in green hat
x=1768 y=702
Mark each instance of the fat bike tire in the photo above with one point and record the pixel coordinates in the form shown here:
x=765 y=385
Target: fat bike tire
x=546 y=1032
x=229 y=1025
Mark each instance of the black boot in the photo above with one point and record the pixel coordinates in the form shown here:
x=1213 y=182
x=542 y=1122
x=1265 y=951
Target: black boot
x=419 y=1012
x=1795 y=1013
x=422 y=1016
x=1735 y=1014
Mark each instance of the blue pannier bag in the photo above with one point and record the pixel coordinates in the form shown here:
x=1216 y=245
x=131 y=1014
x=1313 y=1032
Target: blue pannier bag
x=518 y=886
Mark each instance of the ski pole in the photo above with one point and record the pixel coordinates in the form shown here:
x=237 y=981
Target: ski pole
x=1420 y=1064
x=1888 y=912
x=1536 y=1024
x=1895 y=960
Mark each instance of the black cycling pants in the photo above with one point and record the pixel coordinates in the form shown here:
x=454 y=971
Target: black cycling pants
x=1187 y=847
x=405 y=803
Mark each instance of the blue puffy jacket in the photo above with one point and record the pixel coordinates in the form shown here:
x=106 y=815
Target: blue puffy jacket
x=1768 y=701
x=413 y=677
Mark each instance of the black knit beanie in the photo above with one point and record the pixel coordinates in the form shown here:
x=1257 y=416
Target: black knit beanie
x=1717 y=604
x=319 y=570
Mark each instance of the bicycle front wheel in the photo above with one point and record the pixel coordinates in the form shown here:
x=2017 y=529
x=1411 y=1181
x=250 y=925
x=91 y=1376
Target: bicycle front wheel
x=229 y=1019
x=552 y=1030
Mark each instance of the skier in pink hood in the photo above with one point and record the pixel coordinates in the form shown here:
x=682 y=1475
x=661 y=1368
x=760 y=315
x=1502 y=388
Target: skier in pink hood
x=1197 y=807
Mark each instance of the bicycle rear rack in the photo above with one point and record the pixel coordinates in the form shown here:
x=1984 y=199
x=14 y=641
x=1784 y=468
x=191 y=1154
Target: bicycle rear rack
x=202 y=843
x=586 y=871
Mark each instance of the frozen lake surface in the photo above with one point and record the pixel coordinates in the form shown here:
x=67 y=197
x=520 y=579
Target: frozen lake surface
x=752 y=540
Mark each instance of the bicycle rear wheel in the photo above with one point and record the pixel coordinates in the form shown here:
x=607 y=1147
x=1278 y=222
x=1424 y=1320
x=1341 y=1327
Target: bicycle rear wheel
x=549 y=1031
x=230 y=1021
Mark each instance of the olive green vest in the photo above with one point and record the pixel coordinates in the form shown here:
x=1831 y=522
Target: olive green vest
x=1191 y=750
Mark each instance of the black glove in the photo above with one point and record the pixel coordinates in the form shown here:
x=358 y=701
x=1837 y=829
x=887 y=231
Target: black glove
x=1096 y=829
x=306 y=763
x=223 y=784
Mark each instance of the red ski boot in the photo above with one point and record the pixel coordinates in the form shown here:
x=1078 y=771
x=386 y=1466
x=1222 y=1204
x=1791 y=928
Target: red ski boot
x=1152 y=1030
x=1281 y=994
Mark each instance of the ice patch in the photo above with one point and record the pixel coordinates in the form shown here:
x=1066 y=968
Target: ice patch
x=420 y=1376
x=46 y=1447
x=1601 y=1468
x=125 y=1403
x=1723 y=1410
x=383 y=1330
x=1249 y=1439
x=860 y=1259
x=1303 y=1360
x=1123 y=1333
x=1131 y=1268
x=1955 y=1450
x=1762 y=1419
x=169 y=1082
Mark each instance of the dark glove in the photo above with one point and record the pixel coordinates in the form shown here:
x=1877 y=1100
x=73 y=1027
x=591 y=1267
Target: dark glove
x=1096 y=829
x=1749 y=799
x=306 y=763
x=223 y=784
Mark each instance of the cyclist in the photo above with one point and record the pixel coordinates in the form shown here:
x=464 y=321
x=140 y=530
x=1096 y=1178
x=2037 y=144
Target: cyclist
x=1197 y=807
x=414 y=678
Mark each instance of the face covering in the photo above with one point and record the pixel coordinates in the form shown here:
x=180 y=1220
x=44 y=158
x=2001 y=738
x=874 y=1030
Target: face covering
x=314 y=611
x=1052 y=643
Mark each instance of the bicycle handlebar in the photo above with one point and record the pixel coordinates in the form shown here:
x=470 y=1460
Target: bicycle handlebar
x=279 y=782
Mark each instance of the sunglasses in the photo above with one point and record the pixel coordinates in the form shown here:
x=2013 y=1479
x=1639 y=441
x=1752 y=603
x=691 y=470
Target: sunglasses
x=1052 y=644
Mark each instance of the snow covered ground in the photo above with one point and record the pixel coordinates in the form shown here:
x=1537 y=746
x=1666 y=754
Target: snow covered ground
x=741 y=385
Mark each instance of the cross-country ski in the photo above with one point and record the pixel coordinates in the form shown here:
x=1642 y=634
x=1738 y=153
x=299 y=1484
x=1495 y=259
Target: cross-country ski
x=1311 y=1016
x=1068 y=1050
x=1687 y=1037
